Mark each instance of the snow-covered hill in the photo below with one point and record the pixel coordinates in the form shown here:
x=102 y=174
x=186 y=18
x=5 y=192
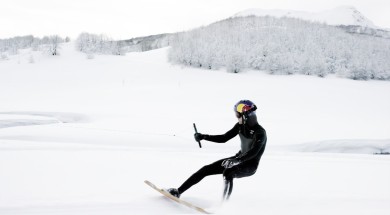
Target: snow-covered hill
x=79 y=136
x=285 y=46
x=345 y=15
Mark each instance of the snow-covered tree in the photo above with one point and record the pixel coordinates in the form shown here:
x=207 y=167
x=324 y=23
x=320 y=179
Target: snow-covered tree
x=54 y=44
x=98 y=44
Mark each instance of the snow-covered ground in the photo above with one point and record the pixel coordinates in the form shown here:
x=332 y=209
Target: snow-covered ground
x=80 y=136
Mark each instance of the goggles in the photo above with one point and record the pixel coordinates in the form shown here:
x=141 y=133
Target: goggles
x=249 y=110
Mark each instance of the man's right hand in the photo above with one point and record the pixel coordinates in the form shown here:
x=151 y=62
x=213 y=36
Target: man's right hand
x=198 y=137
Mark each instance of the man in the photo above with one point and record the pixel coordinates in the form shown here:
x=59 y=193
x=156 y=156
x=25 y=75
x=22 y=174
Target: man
x=253 y=140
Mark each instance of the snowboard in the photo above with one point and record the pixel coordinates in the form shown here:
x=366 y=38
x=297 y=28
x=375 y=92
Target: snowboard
x=180 y=201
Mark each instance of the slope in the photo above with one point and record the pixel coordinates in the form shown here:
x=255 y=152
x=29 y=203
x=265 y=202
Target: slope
x=94 y=130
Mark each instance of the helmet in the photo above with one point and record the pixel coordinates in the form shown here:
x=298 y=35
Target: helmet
x=244 y=108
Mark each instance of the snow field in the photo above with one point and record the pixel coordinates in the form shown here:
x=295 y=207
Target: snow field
x=80 y=136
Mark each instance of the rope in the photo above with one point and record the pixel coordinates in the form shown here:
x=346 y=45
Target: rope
x=138 y=132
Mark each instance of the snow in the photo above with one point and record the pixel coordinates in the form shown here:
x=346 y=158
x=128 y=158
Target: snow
x=79 y=136
x=344 y=15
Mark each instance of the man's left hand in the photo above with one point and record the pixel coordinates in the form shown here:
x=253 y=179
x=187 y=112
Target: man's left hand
x=229 y=163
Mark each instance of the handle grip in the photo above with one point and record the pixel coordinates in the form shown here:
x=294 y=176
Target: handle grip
x=196 y=131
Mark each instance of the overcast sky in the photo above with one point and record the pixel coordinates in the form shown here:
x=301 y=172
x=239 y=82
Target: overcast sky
x=124 y=19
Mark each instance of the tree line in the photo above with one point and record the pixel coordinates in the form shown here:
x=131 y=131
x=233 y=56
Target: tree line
x=88 y=43
x=49 y=44
x=283 y=46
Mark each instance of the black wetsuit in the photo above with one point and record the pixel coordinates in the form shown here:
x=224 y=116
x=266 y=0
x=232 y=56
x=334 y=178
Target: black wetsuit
x=253 y=141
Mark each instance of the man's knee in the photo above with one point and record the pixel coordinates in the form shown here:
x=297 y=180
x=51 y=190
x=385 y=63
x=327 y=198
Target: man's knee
x=230 y=173
x=238 y=172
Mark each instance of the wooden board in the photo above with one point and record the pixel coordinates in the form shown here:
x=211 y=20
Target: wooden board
x=180 y=201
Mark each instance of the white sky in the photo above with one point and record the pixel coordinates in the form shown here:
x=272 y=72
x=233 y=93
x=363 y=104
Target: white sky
x=124 y=19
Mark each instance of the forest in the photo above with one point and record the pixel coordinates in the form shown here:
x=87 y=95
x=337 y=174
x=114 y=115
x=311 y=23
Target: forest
x=283 y=46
